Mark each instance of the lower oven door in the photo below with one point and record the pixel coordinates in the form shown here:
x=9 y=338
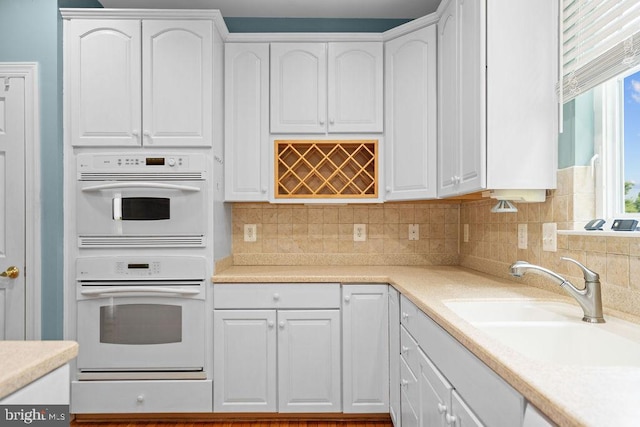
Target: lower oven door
x=141 y=333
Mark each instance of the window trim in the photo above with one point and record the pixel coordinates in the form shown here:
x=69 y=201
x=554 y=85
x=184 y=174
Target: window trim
x=609 y=148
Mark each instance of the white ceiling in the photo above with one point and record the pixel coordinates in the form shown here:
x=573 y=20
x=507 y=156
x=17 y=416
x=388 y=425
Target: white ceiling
x=398 y=9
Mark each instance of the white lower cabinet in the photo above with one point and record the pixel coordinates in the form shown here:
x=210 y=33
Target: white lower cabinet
x=365 y=348
x=456 y=388
x=394 y=357
x=275 y=349
x=245 y=360
x=50 y=389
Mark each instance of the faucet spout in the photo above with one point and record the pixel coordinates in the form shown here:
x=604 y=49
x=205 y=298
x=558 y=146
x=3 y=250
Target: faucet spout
x=589 y=298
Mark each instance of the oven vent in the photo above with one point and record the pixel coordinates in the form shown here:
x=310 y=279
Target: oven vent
x=142 y=176
x=181 y=241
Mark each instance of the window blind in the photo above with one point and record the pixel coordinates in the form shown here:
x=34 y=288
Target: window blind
x=600 y=39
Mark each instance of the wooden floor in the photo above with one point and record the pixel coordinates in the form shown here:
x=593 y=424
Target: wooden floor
x=283 y=423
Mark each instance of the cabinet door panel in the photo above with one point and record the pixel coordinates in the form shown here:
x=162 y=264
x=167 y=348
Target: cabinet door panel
x=309 y=376
x=464 y=416
x=355 y=87
x=411 y=116
x=435 y=392
x=103 y=61
x=298 y=87
x=472 y=100
x=448 y=125
x=246 y=121
x=394 y=357
x=177 y=83
x=244 y=361
x=365 y=348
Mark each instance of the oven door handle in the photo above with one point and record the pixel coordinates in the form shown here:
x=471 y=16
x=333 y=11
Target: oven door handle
x=124 y=290
x=125 y=185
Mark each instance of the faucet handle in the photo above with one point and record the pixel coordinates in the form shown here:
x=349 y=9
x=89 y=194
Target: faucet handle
x=589 y=275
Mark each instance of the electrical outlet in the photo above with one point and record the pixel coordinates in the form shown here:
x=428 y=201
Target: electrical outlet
x=465 y=233
x=522 y=236
x=414 y=231
x=359 y=232
x=250 y=233
x=549 y=239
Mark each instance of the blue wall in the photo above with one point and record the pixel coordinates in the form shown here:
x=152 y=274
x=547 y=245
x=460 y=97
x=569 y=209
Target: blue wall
x=29 y=30
x=310 y=25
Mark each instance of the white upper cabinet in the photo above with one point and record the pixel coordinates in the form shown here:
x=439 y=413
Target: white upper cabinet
x=104 y=85
x=410 y=144
x=320 y=87
x=177 y=80
x=246 y=121
x=497 y=125
x=133 y=82
x=355 y=87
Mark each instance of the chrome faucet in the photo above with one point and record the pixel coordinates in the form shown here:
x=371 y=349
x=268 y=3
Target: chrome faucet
x=589 y=298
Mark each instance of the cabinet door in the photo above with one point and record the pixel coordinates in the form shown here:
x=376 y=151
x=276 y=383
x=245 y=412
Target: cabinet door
x=461 y=415
x=411 y=116
x=435 y=392
x=365 y=348
x=394 y=357
x=244 y=365
x=355 y=87
x=309 y=376
x=177 y=83
x=298 y=87
x=448 y=125
x=103 y=82
x=472 y=72
x=409 y=396
x=246 y=121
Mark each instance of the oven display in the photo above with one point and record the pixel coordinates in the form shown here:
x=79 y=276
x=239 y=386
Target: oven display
x=154 y=161
x=138 y=266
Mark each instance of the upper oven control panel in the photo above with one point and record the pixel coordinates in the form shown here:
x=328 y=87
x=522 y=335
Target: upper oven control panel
x=141 y=267
x=135 y=166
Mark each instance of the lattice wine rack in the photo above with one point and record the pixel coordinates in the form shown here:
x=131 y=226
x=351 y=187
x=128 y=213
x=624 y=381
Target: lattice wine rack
x=326 y=169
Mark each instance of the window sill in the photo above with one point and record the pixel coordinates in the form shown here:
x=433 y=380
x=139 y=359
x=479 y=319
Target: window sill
x=599 y=233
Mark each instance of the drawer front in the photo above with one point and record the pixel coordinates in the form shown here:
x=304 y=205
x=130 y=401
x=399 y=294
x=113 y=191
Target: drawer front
x=104 y=397
x=409 y=384
x=409 y=316
x=409 y=350
x=276 y=295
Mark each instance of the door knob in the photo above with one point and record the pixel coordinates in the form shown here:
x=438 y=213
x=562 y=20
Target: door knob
x=11 y=272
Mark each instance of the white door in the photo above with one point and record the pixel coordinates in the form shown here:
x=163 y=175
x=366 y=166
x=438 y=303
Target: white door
x=355 y=86
x=12 y=209
x=298 y=87
x=365 y=348
x=394 y=357
x=246 y=117
x=309 y=376
x=177 y=63
x=244 y=354
x=410 y=163
x=103 y=82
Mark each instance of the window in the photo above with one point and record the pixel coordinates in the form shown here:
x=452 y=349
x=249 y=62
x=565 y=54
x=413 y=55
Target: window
x=617 y=146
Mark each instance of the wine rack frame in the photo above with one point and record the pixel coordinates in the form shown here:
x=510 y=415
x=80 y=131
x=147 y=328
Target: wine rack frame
x=327 y=169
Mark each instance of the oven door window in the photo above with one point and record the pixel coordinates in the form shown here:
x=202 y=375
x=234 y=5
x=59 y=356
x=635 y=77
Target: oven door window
x=142 y=208
x=140 y=324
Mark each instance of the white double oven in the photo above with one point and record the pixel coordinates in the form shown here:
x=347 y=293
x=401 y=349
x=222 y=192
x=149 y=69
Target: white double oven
x=141 y=230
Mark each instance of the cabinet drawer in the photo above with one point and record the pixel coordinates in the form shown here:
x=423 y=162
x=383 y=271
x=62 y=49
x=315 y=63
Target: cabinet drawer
x=409 y=316
x=409 y=350
x=96 y=397
x=278 y=295
x=409 y=384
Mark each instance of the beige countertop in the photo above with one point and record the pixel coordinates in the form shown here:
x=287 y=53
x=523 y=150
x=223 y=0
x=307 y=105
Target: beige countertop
x=568 y=395
x=22 y=362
